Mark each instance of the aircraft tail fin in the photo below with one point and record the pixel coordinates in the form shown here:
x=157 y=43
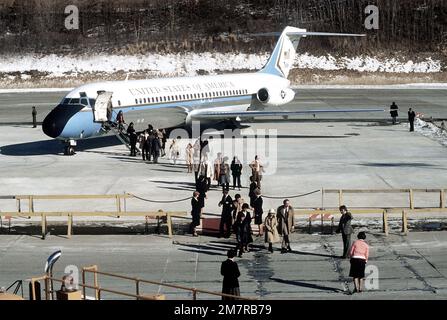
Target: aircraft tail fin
x=283 y=56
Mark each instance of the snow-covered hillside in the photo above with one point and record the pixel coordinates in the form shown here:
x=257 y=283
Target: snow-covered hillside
x=194 y=63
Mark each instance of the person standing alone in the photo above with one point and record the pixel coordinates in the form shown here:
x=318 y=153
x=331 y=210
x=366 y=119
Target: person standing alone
x=345 y=228
x=34 y=113
x=230 y=271
x=393 y=112
x=411 y=117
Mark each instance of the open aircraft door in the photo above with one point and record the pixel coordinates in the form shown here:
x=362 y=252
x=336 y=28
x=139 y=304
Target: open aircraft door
x=102 y=110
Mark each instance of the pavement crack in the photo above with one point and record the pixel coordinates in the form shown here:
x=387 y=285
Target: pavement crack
x=336 y=264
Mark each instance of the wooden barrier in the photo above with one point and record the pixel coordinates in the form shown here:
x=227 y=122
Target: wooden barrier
x=121 y=208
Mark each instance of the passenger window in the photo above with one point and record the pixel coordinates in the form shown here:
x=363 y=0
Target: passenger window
x=141 y=101
x=119 y=102
x=144 y=100
x=136 y=101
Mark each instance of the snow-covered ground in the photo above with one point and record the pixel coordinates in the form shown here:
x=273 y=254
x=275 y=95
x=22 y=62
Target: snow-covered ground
x=193 y=63
x=431 y=131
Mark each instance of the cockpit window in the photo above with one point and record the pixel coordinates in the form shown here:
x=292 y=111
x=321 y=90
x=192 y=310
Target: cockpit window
x=84 y=102
x=74 y=101
x=66 y=101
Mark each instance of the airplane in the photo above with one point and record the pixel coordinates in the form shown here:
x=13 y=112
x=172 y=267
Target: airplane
x=218 y=101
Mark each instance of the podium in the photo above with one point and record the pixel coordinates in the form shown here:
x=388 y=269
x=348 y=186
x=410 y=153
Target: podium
x=68 y=295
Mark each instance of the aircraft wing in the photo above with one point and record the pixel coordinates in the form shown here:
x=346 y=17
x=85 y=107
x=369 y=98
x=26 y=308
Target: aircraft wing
x=253 y=114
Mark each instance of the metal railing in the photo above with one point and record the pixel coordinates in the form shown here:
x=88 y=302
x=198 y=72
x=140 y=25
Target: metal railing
x=137 y=282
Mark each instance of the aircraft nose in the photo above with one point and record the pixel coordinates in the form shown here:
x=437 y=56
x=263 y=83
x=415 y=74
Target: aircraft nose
x=53 y=124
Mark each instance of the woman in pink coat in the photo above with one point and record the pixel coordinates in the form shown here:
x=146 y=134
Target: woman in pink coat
x=359 y=257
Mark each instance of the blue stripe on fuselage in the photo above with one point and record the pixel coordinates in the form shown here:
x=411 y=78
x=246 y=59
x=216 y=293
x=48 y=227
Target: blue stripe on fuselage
x=81 y=124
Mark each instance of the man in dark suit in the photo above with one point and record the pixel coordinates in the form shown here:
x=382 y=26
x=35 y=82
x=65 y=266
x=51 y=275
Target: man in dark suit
x=196 y=210
x=284 y=215
x=230 y=271
x=226 y=218
x=411 y=117
x=345 y=228
x=394 y=112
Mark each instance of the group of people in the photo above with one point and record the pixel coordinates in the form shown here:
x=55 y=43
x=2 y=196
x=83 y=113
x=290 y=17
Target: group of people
x=358 y=252
x=237 y=215
x=394 y=112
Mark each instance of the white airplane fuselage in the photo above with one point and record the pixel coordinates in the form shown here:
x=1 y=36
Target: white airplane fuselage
x=166 y=102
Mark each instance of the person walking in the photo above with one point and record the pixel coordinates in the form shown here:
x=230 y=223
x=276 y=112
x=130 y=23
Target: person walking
x=230 y=271
x=156 y=146
x=243 y=230
x=237 y=206
x=224 y=174
x=217 y=164
x=345 y=228
x=258 y=211
x=120 y=121
x=174 y=151
x=252 y=188
x=164 y=138
x=144 y=146
x=132 y=139
x=394 y=112
x=236 y=172
x=257 y=169
x=189 y=157
x=34 y=114
x=271 y=229
x=411 y=117
x=196 y=210
x=359 y=254
x=285 y=217
x=225 y=219
x=201 y=187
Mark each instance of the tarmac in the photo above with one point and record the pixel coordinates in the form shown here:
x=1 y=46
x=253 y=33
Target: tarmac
x=361 y=151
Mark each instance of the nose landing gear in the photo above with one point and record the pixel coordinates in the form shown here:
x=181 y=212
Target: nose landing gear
x=69 y=148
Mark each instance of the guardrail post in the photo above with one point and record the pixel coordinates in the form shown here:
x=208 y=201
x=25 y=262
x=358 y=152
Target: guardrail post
x=442 y=199
x=69 y=225
x=137 y=287
x=169 y=221
x=194 y=294
x=118 y=204
x=411 y=199
x=340 y=197
x=47 y=288
x=404 y=222
x=44 y=226
x=385 y=222
x=83 y=283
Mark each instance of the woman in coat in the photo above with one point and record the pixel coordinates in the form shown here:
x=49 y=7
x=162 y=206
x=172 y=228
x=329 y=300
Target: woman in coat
x=271 y=229
x=189 y=157
x=230 y=271
x=359 y=254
